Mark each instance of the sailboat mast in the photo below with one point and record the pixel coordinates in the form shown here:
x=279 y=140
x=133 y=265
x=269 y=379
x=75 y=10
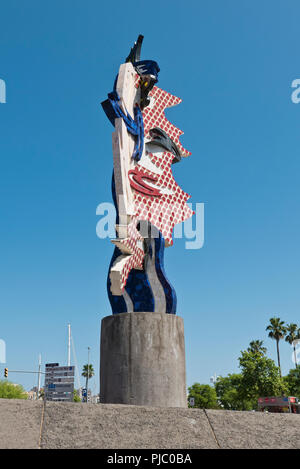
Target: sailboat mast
x=69 y=344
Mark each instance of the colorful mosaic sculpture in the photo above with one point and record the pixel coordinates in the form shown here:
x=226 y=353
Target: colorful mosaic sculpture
x=147 y=198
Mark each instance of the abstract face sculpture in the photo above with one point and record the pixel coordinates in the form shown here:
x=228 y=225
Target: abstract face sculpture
x=147 y=198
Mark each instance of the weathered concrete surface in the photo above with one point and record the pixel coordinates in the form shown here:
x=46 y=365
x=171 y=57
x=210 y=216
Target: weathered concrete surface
x=76 y=425
x=143 y=360
x=249 y=430
x=20 y=423
x=69 y=425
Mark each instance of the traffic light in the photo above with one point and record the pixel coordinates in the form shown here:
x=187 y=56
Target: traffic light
x=5 y=372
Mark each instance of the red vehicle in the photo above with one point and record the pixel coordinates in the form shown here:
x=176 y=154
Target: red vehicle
x=279 y=404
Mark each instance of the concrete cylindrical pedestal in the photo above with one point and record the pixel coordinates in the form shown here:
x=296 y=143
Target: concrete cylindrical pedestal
x=142 y=360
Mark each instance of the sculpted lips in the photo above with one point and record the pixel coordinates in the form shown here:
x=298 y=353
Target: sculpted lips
x=143 y=182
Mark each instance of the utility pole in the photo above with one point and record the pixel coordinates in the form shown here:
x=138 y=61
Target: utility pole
x=69 y=344
x=39 y=376
x=87 y=376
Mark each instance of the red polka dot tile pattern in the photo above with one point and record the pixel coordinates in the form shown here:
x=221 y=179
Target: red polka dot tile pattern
x=168 y=207
x=154 y=116
x=135 y=257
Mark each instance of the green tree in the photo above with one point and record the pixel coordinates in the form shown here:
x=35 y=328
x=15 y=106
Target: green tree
x=76 y=397
x=230 y=395
x=277 y=331
x=205 y=396
x=9 y=390
x=261 y=377
x=293 y=334
x=292 y=381
x=257 y=346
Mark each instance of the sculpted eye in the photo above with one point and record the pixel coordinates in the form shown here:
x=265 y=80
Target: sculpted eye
x=162 y=139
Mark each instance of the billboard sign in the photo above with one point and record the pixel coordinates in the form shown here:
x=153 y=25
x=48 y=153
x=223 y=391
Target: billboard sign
x=59 y=382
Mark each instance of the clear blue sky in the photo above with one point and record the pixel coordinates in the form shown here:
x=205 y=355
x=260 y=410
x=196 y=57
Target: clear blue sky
x=232 y=63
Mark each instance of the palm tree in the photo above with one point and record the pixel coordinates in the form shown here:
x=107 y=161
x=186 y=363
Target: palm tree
x=293 y=335
x=255 y=346
x=88 y=373
x=277 y=332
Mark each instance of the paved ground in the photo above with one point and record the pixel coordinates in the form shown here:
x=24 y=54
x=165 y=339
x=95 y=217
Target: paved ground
x=27 y=424
x=255 y=429
x=20 y=423
x=122 y=426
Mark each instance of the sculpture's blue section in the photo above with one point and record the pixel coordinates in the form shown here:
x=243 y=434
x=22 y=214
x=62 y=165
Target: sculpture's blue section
x=139 y=294
x=113 y=191
x=171 y=299
x=134 y=126
x=117 y=303
x=147 y=67
x=140 y=291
